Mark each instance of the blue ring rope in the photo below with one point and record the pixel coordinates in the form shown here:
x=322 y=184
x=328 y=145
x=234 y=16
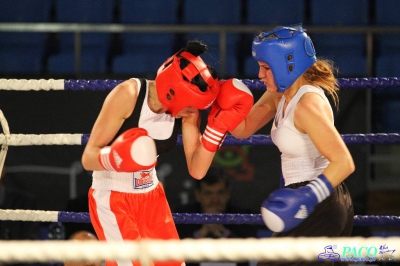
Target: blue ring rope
x=255 y=219
x=379 y=138
x=256 y=84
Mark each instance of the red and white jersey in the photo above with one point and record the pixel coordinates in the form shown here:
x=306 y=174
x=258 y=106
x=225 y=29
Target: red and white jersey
x=163 y=128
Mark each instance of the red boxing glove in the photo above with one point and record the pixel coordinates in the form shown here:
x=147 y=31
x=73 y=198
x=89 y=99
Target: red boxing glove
x=231 y=107
x=132 y=151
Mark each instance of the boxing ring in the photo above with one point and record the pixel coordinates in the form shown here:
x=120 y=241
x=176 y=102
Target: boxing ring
x=354 y=249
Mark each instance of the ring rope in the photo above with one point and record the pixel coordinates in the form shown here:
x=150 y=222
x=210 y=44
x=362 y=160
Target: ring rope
x=31 y=84
x=179 y=218
x=43 y=139
x=32 y=216
x=108 y=84
x=276 y=249
x=4 y=144
x=82 y=139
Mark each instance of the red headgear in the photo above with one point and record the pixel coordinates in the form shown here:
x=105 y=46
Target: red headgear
x=175 y=88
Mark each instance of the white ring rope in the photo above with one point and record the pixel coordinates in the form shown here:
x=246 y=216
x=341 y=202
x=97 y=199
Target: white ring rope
x=4 y=144
x=28 y=215
x=4 y=123
x=41 y=139
x=274 y=249
x=31 y=84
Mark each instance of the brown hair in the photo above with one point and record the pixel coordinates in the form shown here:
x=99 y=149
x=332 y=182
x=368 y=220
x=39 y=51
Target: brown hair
x=321 y=74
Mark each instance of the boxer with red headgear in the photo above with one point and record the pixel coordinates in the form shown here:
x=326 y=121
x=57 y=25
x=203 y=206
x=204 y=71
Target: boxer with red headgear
x=139 y=120
x=176 y=85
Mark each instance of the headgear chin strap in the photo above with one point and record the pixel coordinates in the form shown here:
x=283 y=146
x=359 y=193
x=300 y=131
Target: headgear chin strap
x=288 y=51
x=175 y=88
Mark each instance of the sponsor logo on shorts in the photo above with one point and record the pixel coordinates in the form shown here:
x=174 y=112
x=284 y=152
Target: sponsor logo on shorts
x=143 y=179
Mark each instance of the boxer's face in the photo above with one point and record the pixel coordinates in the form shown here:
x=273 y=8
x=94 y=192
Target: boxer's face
x=266 y=75
x=188 y=111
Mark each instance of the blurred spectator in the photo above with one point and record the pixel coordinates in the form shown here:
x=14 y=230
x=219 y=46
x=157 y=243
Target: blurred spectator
x=212 y=194
x=82 y=236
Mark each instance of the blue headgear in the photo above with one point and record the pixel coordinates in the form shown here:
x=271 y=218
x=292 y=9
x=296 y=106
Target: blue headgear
x=288 y=51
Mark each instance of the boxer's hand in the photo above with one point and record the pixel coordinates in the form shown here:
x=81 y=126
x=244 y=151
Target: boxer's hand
x=132 y=151
x=286 y=208
x=230 y=108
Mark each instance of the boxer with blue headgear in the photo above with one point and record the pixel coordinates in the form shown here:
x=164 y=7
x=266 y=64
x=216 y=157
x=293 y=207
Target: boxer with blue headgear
x=287 y=50
x=314 y=159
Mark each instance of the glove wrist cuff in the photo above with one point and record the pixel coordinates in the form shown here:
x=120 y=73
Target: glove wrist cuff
x=104 y=158
x=212 y=139
x=321 y=187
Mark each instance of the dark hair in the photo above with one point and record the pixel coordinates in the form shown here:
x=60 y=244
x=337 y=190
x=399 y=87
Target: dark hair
x=196 y=48
x=214 y=175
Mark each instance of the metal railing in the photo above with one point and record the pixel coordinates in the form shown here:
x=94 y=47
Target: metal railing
x=221 y=30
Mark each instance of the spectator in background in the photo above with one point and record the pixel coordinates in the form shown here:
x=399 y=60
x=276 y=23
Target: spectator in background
x=213 y=195
x=83 y=236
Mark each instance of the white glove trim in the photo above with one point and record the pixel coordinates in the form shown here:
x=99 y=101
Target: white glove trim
x=320 y=189
x=213 y=136
x=105 y=158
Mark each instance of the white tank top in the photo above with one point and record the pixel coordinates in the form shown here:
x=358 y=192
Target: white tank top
x=301 y=160
x=159 y=126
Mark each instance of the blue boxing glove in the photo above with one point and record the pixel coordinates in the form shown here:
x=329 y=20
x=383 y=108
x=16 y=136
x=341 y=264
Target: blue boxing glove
x=286 y=208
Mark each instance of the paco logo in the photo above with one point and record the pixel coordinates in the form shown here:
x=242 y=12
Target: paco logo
x=357 y=254
x=329 y=254
x=384 y=250
x=361 y=252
